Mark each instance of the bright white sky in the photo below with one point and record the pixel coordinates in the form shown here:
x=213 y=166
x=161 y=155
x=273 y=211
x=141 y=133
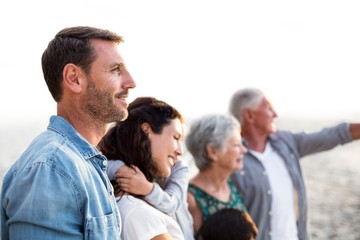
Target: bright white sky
x=194 y=53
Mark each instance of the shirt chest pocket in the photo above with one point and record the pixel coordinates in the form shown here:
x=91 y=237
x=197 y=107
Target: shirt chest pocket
x=103 y=227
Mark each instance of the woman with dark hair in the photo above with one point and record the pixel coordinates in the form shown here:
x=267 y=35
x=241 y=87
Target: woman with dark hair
x=149 y=140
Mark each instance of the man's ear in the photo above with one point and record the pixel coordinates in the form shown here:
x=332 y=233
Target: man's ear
x=72 y=78
x=248 y=115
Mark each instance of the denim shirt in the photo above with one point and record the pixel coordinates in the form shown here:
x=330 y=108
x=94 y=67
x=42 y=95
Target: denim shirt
x=58 y=189
x=253 y=182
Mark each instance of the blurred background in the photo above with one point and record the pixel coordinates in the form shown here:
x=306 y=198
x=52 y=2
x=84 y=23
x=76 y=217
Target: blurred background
x=194 y=54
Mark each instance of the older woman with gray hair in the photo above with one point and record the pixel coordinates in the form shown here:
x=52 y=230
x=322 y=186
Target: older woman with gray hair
x=214 y=141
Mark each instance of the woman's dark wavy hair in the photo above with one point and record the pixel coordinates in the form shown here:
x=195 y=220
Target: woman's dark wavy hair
x=128 y=142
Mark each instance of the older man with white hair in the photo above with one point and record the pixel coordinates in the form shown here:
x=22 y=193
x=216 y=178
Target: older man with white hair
x=271 y=180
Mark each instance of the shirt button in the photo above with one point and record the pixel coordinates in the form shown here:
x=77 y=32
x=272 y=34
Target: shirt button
x=104 y=163
x=242 y=172
x=270 y=233
x=105 y=220
x=264 y=173
x=270 y=213
x=269 y=192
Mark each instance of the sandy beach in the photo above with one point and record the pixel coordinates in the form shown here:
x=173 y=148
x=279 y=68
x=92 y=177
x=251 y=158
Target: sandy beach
x=332 y=179
x=333 y=187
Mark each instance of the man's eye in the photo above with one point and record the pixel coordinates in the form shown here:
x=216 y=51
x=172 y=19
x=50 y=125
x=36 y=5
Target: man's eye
x=117 y=69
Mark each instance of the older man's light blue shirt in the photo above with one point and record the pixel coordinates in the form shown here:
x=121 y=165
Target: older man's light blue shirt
x=58 y=189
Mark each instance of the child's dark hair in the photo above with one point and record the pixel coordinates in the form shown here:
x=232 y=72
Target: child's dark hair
x=228 y=224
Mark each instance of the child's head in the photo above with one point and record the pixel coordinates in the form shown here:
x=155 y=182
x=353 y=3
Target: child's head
x=228 y=224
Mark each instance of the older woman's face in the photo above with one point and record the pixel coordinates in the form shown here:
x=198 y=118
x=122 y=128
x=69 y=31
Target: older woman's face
x=166 y=147
x=231 y=156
